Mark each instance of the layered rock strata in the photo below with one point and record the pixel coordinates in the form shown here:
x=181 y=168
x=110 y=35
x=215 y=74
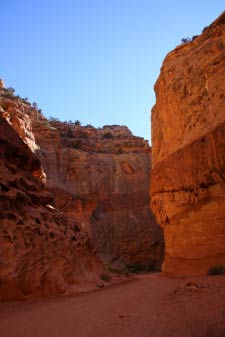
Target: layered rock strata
x=188 y=176
x=41 y=253
x=99 y=179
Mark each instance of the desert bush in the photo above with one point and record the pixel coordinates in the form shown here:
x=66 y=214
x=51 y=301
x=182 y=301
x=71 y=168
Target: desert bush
x=105 y=277
x=217 y=270
x=118 y=271
x=194 y=37
x=34 y=104
x=186 y=40
x=114 y=270
x=53 y=119
x=10 y=89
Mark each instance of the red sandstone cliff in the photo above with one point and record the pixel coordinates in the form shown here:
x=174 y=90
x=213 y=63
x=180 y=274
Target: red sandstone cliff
x=40 y=252
x=188 y=177
x=99 y=178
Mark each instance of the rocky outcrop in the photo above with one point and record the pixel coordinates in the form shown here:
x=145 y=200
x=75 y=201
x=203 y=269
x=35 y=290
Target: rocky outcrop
x=99 y=178
x=2 y=84
x=18 y=115
x=40 y=252
x=188 y=176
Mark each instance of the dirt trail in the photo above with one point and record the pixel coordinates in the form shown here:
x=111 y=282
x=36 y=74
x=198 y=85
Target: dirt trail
x=148 y=307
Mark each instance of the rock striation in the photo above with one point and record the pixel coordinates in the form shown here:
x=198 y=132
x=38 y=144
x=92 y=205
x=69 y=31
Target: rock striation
x=41 y=253
x=188 y=176
x=99 y=179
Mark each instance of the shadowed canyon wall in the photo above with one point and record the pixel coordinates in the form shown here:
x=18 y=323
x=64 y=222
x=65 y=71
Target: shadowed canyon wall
x=41 y=253
x=188 y=137
x=99 y=179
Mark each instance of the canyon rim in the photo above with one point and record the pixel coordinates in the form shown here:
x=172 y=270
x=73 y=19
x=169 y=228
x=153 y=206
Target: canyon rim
x=188 y=149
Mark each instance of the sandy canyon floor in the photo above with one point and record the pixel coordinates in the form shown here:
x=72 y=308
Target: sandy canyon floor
x=151 y=306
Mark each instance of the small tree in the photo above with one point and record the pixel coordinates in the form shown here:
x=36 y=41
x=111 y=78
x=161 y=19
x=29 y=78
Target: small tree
x=194 y=37
x=186 y=40
x=35 y=105
x=77 y=123
x=53 y=119
x=25 y=99
x=12 y=90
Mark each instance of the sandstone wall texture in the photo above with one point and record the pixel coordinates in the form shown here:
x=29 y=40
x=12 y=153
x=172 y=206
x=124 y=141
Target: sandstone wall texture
x=99 y=179
x=188 y=137
x=41 y=253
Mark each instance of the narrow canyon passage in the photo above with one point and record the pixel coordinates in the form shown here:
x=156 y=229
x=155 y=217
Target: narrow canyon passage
x=143 y=308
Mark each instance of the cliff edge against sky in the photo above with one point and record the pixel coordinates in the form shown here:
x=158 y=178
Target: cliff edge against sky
x=188 y=149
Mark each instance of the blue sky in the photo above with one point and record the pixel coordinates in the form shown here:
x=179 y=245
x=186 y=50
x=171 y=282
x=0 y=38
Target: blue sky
x=95 y=60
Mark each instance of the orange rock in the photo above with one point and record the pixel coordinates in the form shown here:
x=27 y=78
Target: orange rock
x=81 y=175
x=2 y=84
x=188 y=177
x=95 y=174
x=40 y=252
x=100 y=177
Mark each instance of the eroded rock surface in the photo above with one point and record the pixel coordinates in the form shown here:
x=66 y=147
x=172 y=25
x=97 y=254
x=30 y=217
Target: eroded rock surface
x=40 y=252
x=99 y=178
x=188 y=177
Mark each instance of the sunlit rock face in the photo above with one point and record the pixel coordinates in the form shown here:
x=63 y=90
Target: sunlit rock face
x=188 y=138
x=99 y=178
x=41 y=254
x=2 y=84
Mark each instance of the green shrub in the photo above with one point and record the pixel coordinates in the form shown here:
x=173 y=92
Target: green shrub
x=118 y=271
x=11 y=90
x=114 y=270
x=186 y=40
x=53 y=119
x=217 y=270
x=194 y=37
x=105 y=277
x=35 y=106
